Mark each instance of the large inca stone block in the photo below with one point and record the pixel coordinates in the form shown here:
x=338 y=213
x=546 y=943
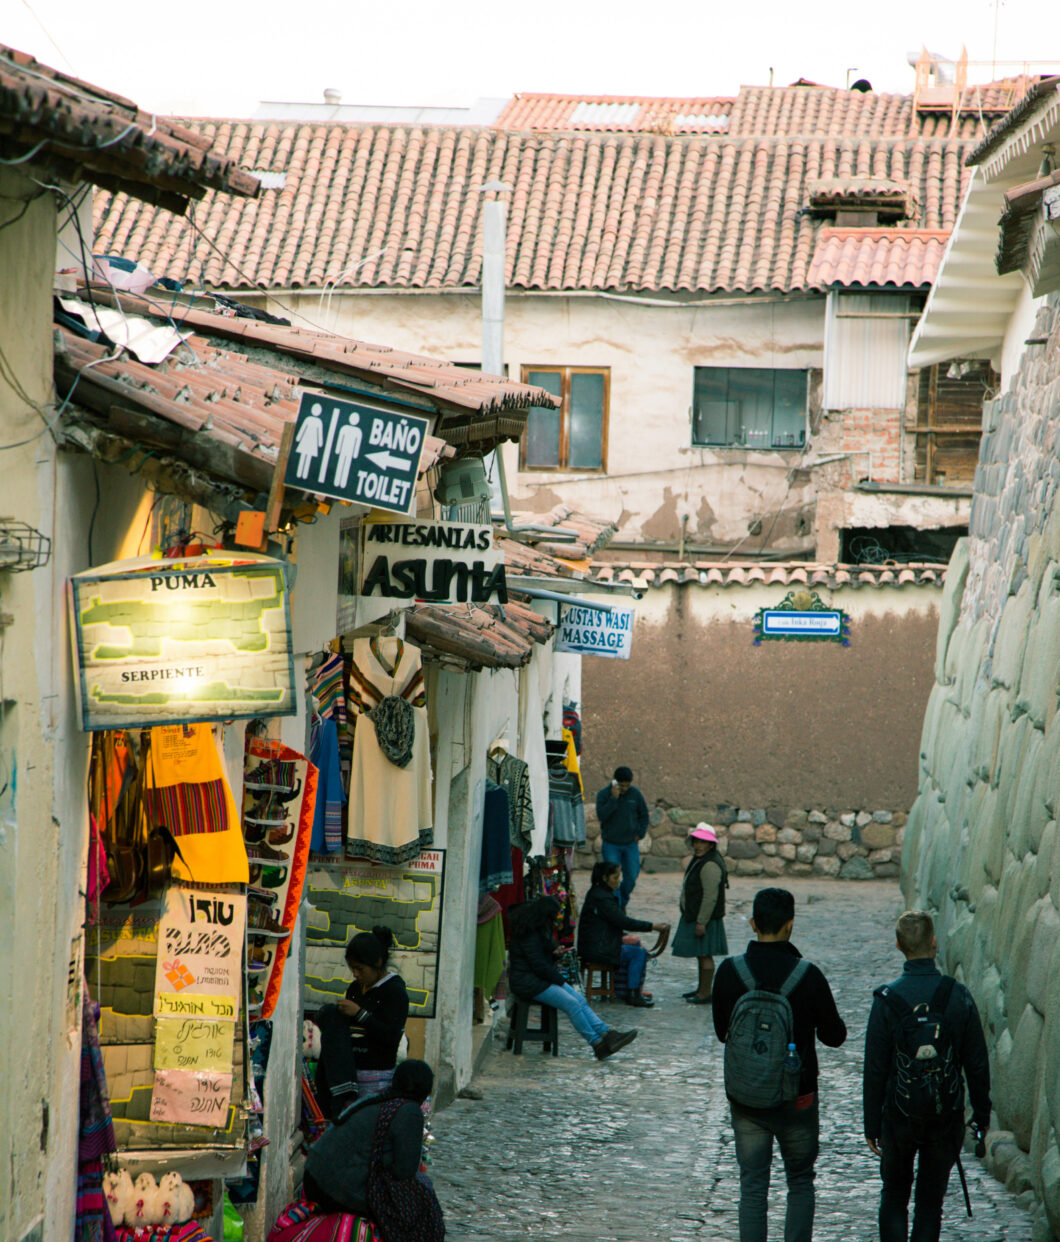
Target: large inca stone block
x=773 y=866
x=836 y=831
x=811 y=832
x=787 y=851
x=777 y=816
x=950 y=607
x=877 y=836
x=796 y=818
x=742 y=831
x=816 y=817
x=1019 y=1080
x=789 y=836
x=825 y=865
x=1010 y=642
x=750 y=866
x=826 y=847
x=805 y=852
x=766 y=832
x=744 y=849
x=1044 y=955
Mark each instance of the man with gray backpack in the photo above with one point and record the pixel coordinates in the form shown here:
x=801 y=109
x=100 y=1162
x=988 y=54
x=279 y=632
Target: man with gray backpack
x=924 y=1032
x=770 y=1007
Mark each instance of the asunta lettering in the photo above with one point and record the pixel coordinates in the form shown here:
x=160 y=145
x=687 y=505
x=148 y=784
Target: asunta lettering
x=437 y=581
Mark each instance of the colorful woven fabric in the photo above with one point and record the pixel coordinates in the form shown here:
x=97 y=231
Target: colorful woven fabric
x=92 y=1221
x=190 y=1231
x=188 y=809
x=302 y=1221
x=328 y=690
x=314 y=1123
x=96 y=1131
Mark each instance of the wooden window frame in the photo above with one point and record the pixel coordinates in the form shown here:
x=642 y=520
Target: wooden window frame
x=564 y=420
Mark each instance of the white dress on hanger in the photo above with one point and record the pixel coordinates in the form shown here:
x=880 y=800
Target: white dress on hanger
x=390 y=813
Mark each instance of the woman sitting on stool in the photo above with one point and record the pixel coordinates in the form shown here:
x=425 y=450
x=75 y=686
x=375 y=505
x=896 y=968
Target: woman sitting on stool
x=600 y=928
x=359 y=1036
x=533 y=975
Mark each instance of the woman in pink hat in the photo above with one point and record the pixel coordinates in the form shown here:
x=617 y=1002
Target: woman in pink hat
x=701 y=928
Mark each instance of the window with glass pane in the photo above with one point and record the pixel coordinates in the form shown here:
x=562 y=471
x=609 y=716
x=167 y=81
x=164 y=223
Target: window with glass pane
x=749 y=407
x=574 y=437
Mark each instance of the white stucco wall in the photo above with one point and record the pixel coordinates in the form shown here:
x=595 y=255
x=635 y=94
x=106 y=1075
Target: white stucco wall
x=654 y=476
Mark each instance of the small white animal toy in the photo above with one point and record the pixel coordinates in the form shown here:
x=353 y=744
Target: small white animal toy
x=118 y=1190
x=310 y=1040
x=177 y=1202
x=143 y=1203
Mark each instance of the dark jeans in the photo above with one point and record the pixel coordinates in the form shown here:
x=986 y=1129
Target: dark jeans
x=628 y=858
x=796 y=1132
x=935 y=1152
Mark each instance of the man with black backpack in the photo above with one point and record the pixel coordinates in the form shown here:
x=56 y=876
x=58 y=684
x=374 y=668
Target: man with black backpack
x=770 y=1005
x=923 y=1032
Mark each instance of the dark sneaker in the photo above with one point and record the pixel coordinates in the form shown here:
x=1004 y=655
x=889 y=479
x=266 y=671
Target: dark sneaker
x=639 y=1001
x=604 y=1046
x=612 y=1042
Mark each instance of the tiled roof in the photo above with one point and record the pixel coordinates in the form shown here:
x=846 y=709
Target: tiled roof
x=592 y=533
x=623 y=113
x=491 y=636
x=445 y=386
x=903 y=258
x=879 y=193
x=86 y=133
x=744 y=574
x=1041 y=90
x=394 y=207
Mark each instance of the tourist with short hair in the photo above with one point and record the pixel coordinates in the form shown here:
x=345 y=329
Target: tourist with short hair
x=924 y=1033
x=623 y=816
x=771 y=1083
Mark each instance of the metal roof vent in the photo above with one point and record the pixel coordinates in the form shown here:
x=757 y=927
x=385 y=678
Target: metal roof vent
x=332 y=96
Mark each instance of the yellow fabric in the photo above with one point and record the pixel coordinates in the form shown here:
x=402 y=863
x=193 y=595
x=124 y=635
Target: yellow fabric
x=570 y=761
x=188 y=754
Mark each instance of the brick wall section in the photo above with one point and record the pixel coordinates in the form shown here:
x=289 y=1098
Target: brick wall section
x=876 y=434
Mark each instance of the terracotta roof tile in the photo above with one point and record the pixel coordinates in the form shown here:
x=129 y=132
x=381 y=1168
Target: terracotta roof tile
x=491 y=636
x=623 y=113
x=88 y=133
x=778 y=574
x=904 y=258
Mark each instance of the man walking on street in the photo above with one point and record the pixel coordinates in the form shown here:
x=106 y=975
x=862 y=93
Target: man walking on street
x=923 y=1032
x=770 y=1005
x=623 y=816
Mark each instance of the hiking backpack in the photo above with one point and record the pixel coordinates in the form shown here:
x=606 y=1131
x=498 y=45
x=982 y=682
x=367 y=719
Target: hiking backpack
x=927 y=1077
x=756 y=1046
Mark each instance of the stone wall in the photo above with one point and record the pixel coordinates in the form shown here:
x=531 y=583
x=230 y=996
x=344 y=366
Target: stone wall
x=981 y=846
x=849 y=845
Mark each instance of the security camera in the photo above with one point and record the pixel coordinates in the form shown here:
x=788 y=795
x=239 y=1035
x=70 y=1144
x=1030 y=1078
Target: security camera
x=638 y=594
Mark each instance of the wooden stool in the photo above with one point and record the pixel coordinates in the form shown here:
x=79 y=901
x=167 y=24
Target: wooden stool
x=546 y=1034
x=605 y=989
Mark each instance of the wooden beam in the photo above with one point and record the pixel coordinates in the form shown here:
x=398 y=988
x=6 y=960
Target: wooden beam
x=275 y=503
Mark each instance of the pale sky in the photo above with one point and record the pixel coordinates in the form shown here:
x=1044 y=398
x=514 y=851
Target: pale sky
x=221 y=57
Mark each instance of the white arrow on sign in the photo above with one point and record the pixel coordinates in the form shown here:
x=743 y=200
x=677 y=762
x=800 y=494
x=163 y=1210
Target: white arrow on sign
x=386 y=459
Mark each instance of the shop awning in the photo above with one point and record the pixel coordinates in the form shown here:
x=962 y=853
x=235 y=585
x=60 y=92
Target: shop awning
x=496 y=636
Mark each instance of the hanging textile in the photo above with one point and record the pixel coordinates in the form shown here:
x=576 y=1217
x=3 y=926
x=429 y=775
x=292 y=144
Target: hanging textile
x=495 y=867
x=329 y=691
x=513 y=776
x=331 y=798
x=186 y=791
x=389 y=818
x=512 y=894
x=489 y=946
x=95 y=1136
x=572 y=721
x=566 y=805
x=571 y=759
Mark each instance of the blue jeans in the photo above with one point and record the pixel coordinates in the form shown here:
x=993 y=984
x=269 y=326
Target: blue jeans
x=576 y=1007
x=628 y=858
x=797 y=1132
x=635 y=957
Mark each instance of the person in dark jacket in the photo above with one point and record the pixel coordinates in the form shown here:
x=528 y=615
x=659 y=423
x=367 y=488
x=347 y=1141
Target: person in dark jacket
x=623 y=816
x=533 y=975
x=796 y=1126
x=359 y=1037
x=701 y=929
x=336 y=1172
x=601 y=926
x=899 y=1140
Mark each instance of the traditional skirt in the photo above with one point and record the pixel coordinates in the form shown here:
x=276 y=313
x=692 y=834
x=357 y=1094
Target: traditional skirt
x=711 y=944
x=302 y=1221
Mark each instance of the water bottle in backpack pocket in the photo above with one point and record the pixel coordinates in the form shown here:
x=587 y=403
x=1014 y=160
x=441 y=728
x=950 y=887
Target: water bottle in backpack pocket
x=762 y=1066
x=927 y=1077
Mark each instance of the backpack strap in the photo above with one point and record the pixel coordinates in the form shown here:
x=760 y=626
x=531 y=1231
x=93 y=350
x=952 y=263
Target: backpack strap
x=795 y=978
x=943 y=993
x=744 y=971
x=898 y=1005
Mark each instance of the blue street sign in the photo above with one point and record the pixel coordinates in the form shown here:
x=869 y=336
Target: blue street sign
x=355 y=452
x=783 y=624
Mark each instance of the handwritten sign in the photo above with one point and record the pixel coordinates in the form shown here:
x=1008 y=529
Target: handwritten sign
x=200 y=946
x=193 y=1044
x=186 y=1098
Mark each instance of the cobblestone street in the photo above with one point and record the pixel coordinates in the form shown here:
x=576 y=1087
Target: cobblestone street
x=640 y=1147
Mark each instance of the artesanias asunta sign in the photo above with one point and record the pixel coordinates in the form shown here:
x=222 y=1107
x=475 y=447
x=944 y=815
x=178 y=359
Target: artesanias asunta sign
x=432 y=562
x=176 y=641
x=355 y=451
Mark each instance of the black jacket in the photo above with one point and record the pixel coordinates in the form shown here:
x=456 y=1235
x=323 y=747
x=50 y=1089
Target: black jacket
x=338 y=1160
x=531 y=966
x=812 y=1004
x=624 y=819
x=916 y=984
x=601 y=926
x=376 y=1031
